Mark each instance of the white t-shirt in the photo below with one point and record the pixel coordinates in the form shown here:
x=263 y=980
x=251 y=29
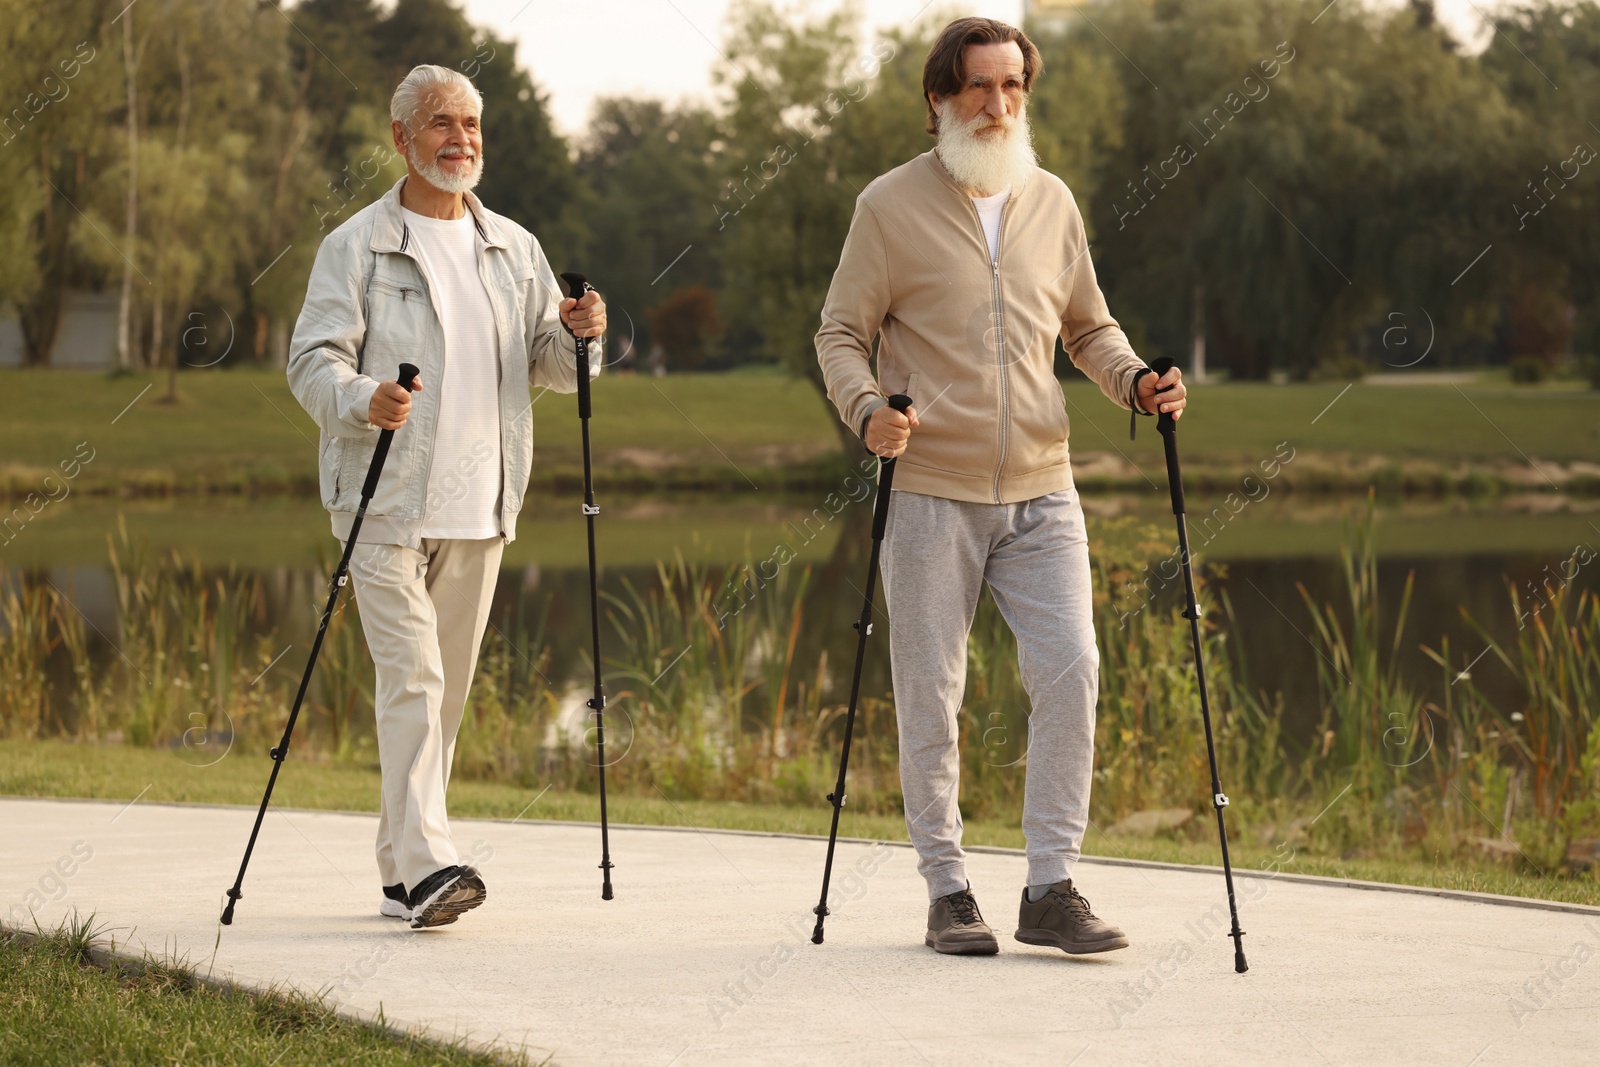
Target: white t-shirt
x=989 y=211
x=464 y=482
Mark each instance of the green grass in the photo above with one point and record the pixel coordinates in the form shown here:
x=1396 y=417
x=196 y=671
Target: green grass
x=265 y=531
x=1480 y=421
x=241 y=430
x=63 y=769
x=68 y=1004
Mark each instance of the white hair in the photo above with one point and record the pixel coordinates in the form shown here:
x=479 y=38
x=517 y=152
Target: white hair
x=408 y=100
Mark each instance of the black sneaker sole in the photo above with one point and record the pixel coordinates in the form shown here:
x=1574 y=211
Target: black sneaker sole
x=449 y=902
x=1049 y=939
x=962 y=948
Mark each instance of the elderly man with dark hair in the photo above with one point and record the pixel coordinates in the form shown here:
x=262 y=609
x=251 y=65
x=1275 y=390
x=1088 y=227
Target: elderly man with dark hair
x=966 y=263
x=428 y=275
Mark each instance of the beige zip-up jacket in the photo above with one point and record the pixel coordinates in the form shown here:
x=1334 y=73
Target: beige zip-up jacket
x=971 y=341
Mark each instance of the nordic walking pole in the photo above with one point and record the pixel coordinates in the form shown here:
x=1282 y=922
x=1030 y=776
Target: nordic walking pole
x=1168 y=428
x=577 y=285
x=340 y=577
x=880 y=517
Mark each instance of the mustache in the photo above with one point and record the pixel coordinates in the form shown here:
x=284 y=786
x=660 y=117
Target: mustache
x=453 y=152
x=982 y=122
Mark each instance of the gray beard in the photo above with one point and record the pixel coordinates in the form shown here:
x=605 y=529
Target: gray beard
x=435 y=175
x=989 y=163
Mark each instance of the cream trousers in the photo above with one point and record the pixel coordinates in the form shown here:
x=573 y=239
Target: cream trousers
x=424 y=611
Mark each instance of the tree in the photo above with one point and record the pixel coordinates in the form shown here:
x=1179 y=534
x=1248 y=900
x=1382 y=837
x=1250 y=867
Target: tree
x=817 y=113
x=650 y=168
x=1545 y=61
x=685 y=324
x=61 y=80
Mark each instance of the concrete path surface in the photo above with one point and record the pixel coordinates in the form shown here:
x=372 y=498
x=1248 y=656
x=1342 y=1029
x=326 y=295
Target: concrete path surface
x=704 y=956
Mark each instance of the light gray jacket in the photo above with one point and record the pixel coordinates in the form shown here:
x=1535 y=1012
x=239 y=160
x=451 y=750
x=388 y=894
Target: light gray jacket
x=368 y=309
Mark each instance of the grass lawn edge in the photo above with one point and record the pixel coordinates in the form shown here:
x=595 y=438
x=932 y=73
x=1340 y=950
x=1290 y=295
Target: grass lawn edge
x=107 y=957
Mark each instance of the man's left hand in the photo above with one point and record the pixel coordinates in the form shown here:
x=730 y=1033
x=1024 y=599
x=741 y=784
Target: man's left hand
x=1172 y=400
x=586 y=317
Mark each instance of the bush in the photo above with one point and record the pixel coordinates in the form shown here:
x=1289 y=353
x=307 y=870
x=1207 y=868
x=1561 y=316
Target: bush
x=1529 y=370
x=1590 y=366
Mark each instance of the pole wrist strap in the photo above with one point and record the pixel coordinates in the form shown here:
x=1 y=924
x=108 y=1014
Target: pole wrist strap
x=1133 y=400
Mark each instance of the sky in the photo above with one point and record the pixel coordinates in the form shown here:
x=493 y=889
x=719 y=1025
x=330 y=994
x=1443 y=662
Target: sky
x=666 y=48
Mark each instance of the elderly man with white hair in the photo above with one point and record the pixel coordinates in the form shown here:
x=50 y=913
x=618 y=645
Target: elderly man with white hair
x=427 y=275
x=966 y=264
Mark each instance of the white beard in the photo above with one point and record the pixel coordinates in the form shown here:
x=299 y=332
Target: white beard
x=989 y=162
x=437 y=177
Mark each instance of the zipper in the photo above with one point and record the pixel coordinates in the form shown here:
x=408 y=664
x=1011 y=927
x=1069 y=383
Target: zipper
x=438 y=318
x=1000 y=332
x=404 y=292
x=499 y=369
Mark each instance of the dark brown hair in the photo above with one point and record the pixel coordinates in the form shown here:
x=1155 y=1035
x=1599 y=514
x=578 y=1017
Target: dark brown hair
x=945 y=71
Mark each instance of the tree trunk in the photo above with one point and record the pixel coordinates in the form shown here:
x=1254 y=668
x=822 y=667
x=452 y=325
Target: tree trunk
x=125 y=329
x=40 y=316
x=169 y=355
x=1197 y=334
x=259 y=346
x=1244 y=355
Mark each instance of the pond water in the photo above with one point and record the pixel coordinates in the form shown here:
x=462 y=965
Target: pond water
x=1463 y=553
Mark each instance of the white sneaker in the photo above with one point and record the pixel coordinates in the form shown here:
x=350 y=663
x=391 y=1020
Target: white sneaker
x=394 y=902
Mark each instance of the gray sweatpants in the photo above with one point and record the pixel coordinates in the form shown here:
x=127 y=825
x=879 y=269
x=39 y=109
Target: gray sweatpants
x=937 y=553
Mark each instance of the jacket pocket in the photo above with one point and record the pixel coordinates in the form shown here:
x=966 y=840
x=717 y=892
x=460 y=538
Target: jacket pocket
x=397 y=310
x=328 y=469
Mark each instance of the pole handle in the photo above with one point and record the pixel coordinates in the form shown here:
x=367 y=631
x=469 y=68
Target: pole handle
x=1164 y=420
x=407 y=374
x=880 y=509
x=1167 y=426
x=577 y=285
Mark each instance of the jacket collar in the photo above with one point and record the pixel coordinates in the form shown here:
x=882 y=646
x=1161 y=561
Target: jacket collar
x=937 y=166
x=391 y=234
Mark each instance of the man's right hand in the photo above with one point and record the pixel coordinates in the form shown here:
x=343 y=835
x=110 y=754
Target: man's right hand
x=391 y=404
x=888 y=431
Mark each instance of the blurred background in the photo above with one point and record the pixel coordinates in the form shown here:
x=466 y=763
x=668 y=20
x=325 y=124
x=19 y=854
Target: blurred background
x=1368 y=231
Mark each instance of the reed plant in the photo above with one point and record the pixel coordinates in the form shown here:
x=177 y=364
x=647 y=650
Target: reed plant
x=730 y=683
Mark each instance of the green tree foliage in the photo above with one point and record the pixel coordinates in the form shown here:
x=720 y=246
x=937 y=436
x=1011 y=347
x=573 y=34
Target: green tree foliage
x=262 y=128
x=818 y=111
x=58 y=80
x=650 y=170
x=1295 y=180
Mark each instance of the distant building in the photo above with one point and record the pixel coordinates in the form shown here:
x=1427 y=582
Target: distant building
x=87 y=339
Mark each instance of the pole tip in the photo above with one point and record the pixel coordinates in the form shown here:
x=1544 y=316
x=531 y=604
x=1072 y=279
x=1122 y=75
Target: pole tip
x=605 y=892
x=1239 y=965
x=816 y=935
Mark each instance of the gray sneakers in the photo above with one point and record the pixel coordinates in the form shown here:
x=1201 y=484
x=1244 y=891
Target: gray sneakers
x=442 y=897
x=955 y=926
x=1062 y=920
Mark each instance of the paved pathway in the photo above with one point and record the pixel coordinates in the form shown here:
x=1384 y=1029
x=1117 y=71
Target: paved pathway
x=704 y=956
